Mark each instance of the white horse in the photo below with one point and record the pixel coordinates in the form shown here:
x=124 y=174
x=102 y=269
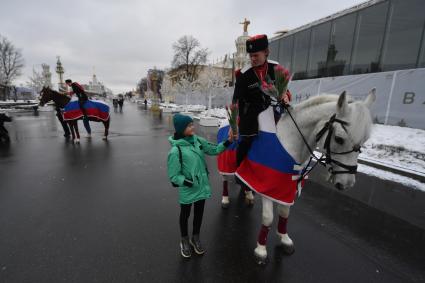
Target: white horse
x=336 y=126
x=339 y=137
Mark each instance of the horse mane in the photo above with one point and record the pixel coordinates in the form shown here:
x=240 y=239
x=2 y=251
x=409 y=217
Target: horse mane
x=319 y=100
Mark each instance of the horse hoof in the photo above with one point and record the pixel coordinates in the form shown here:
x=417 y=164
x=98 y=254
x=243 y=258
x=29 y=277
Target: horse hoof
x=288 y=250
x=286 y=244
x=104 y=138
x=77 y=141
x=249 y=198
x=260 y=254
x=225 y=202
x=260 y=261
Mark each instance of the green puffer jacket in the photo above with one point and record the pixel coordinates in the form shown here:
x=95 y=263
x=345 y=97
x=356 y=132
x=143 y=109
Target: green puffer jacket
x=193 y=169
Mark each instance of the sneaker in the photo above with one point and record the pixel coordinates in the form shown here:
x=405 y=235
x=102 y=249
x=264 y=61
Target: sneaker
x=196 y=244
x=185 y=247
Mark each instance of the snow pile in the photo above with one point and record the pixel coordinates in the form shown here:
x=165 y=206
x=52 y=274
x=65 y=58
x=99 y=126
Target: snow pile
x=394 y=146
x=386 y=175
x=10 y=101
x=216 y=112
x=195 y=108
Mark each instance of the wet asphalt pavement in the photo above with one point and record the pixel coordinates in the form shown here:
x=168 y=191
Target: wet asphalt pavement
x=105 y=212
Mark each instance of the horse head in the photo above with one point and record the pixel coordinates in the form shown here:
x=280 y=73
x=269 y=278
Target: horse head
x=45 y=95
x=342 y=137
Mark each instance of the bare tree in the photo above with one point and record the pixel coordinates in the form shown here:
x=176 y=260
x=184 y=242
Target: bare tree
x=142 y=86
x=189 y=55
x=38 y=80
x=11 y=61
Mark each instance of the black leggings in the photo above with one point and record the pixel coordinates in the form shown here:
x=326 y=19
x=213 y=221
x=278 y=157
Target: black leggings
x=197 y=218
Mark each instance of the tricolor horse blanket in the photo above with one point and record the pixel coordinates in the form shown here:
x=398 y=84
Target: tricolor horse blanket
x=94 y=109
x=268 y=168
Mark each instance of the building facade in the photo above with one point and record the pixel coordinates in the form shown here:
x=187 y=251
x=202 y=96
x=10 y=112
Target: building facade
x=380 y=43
x=376 y=36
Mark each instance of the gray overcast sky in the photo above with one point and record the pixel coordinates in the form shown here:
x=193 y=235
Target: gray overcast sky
x=122 y=39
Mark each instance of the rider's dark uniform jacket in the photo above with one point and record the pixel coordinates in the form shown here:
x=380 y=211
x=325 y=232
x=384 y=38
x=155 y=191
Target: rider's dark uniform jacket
x=79 y=91
x=251 y=100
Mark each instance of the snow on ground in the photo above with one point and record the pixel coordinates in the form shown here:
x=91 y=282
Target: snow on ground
x=398 y=147
x=216 y=112
x=386 y=175
x=17 y=101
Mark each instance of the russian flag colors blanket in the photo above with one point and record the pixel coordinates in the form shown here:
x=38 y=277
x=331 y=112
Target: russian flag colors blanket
x=94 y=109
x=268 y=169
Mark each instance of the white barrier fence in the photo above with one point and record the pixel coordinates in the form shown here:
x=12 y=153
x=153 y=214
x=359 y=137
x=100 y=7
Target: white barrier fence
x=400 y=94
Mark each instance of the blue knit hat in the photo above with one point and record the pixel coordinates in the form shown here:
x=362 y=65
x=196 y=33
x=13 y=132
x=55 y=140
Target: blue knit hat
x=181 y=122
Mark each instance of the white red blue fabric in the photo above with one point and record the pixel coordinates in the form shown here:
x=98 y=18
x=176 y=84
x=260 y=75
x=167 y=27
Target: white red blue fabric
x=94 y=109
x=268 y=169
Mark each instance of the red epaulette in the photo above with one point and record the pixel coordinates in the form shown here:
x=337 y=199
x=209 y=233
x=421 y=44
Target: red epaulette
x=237 y=73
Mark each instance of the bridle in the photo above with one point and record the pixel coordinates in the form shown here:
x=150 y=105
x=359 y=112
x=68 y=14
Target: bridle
x=329 y=127
x=326 y=158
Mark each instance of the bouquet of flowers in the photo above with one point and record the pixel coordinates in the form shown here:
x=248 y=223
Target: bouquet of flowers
x=277 y=89
x=232 y=116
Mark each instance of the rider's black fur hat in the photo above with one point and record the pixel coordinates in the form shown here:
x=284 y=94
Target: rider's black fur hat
x=257 y=43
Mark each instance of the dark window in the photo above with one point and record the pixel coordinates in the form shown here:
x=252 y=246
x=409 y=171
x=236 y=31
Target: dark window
x=285 y=52
x=301 y=47
x=422 y=58
x=369 y=36
x=318 y=50
x=274 y=50
x=406 y=21
x=339 y=51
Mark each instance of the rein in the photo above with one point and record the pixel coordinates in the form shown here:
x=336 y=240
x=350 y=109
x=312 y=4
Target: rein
x=325 y=159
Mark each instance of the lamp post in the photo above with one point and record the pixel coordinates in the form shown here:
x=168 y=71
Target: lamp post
x=60 y=71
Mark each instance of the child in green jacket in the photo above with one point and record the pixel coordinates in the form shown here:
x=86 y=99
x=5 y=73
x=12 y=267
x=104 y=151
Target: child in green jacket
x=188 y=171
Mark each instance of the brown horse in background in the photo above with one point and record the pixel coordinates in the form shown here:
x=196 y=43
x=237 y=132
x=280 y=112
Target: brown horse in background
x=47 y=94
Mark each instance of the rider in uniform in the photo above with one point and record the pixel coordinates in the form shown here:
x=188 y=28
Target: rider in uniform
x=248 y=94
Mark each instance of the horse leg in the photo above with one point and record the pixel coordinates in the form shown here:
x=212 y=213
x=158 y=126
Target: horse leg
x=286 y=242
x=71 y=128
x=77 y=140
x=267 y=220
x=106 y=125
x=249 y=196
x=63 y=123
x=225 y=196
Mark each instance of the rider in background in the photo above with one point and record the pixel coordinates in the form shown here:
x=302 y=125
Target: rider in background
x=78 y=90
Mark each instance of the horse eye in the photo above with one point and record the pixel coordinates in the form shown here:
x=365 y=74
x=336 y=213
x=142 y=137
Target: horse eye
x=339 y=140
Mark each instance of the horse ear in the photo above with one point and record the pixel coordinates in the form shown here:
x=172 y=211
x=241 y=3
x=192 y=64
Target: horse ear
x=370 y=99
x=342 y=104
